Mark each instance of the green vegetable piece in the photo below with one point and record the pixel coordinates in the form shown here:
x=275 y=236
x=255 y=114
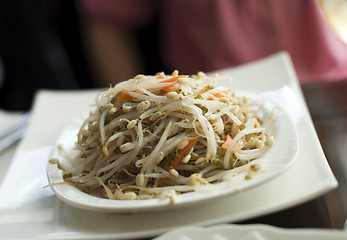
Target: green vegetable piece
x=248 y=177
x=86 y=189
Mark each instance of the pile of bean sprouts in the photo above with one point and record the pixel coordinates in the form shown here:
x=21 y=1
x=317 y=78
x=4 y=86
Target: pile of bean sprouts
x=163 y=135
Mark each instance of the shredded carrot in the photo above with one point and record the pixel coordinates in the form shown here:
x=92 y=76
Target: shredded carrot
x=183 y=152
x=171 y=88
x=173 y=79
x=179 y=157
x=109 y=146
x=227 y=142
x=219 y=95
x=147 y=119
x=122 y=97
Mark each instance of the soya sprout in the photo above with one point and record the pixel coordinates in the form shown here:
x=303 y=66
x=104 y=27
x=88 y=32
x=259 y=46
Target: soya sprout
x=163 y=135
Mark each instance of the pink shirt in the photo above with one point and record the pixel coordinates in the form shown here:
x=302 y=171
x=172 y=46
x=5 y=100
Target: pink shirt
x=207 y=35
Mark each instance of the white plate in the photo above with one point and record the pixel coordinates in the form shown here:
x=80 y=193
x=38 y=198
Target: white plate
x=26 y=205
x=250 y=232
x=275 y=161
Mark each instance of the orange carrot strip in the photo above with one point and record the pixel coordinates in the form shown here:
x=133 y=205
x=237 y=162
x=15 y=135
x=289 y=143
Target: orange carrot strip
x=109 y=146
x=227 y=142
x=170 y=89
x=179 y=157
x=219 y=95
x=183 y=152
x=173 y=79
x=122 y=97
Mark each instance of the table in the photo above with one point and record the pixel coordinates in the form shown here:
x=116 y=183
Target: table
x=327 y=103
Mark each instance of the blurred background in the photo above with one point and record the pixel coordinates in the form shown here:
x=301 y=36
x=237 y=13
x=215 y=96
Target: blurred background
x=40 y=47
x=44 y=45
x=55 y=44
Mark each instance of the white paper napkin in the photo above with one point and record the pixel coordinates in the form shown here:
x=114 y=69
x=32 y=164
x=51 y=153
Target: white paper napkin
x=25 y=179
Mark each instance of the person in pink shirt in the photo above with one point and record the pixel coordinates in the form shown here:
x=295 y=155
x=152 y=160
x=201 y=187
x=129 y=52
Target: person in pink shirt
x=207 y=35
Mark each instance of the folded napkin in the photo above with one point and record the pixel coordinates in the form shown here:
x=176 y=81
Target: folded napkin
x=26 y=178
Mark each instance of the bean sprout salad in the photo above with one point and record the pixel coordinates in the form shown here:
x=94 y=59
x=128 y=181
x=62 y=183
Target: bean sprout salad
x=163 y=135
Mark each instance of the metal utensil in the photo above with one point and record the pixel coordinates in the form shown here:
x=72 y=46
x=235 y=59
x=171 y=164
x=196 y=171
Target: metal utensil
x=13 y=131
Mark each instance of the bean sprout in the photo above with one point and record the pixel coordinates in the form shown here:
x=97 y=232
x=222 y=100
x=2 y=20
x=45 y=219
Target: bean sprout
x=164 y=135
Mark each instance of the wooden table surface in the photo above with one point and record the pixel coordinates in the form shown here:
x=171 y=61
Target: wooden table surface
x=327 y=103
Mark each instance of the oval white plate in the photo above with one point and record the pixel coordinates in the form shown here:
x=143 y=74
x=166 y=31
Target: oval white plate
x=250 y=232
x=275 y=161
